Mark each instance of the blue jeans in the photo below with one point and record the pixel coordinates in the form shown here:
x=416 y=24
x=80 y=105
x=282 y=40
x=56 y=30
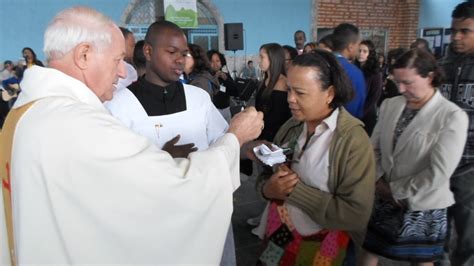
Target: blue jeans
x=462 y=185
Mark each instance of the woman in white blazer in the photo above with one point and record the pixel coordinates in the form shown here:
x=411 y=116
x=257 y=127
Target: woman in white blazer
x=418 y=142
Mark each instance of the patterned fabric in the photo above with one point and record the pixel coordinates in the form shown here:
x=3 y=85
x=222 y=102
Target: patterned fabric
x=283 y=245
x=403 y=122
x=457 y=87
x=397 y=233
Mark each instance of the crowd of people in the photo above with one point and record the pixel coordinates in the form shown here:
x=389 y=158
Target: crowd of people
x=10 y=78
x=127 y=152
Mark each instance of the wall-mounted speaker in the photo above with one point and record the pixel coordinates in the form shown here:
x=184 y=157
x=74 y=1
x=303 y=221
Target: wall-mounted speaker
x=233 y=36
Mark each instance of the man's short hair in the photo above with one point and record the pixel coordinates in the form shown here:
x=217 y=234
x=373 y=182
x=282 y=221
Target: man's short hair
x=291 y=51
x=327 y=40
x=125 y=32
x=7 y=62
x=250 y=61
x=158 y=28
x=422 y=42
x=73 y=26
x=297 y=32
x=300 y=31
x=139 y=59
x=343 y=35
x=464 y=10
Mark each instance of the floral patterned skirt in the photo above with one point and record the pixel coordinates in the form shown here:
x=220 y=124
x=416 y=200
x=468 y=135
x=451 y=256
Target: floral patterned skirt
x=283 y=245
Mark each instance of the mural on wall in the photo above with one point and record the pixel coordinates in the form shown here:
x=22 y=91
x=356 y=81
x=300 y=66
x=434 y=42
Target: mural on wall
x=141 y=13
x=438 y=40
x=181 y=12
x=446 y=40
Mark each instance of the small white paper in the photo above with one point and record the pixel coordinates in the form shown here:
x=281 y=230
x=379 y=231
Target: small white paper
x=268 y=156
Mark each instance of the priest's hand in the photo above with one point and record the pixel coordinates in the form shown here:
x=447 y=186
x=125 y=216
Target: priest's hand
x=280 y=184
x=246 y=125
x=179 y=151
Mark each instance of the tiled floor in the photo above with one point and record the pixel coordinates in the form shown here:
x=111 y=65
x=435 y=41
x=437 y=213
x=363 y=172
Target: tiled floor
x=248 y=204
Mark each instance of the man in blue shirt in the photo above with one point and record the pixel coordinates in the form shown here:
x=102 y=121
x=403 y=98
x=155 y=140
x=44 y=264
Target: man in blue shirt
x=346 y=40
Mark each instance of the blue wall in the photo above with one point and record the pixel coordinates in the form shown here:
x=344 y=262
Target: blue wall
x=267 y=20
x=22 y=22
x=436 y=13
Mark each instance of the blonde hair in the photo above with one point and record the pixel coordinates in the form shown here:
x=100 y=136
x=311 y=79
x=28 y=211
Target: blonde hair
x=73 y=26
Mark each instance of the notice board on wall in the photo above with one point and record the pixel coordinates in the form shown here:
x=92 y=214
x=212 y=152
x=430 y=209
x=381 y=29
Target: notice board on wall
x=446 y=40
x=378 y=36
x=181 y=12
x=434 y=36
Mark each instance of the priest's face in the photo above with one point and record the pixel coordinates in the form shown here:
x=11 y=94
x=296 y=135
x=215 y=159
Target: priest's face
x=105 y=66
x=165 y=57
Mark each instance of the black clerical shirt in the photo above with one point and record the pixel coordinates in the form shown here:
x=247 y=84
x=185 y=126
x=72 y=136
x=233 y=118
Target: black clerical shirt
x=158 y=100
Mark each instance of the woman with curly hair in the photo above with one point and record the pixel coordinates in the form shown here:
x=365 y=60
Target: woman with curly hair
x=227 y=85
x=367 y=61
x=199 y=71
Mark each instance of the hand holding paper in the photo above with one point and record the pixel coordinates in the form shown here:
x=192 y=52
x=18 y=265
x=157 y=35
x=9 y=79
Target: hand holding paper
x=269 y=156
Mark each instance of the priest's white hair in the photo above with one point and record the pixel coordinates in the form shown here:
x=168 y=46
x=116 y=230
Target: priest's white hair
x=73 y=26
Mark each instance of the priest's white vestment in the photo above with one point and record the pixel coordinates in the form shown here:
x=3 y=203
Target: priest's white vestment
x=87 y=190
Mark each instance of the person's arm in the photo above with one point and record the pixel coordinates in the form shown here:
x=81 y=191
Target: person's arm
x=262 y=178
x=349 y=208
x=444 y=157
x=204 y=84
x=277 y=116
x=356 y=105
x=124 y=106
x=216 y=124
x=287 y=132
x=377 y=86
x=375 y=140
x=102 y=175
x=231 y=87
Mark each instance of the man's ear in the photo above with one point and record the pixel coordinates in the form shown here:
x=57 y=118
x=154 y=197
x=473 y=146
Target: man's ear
x=147 y=51
x=431 y=76
x=82 y=53
x=351 y=47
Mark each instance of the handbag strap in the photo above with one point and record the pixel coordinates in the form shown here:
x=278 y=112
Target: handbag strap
x=6 y=143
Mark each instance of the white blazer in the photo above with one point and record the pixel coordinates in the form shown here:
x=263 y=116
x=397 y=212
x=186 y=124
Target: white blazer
x=426 y=154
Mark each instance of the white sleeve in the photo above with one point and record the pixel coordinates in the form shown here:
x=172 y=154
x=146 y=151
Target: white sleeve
x=216 y=124
x=114 y=190
x=125 y=107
